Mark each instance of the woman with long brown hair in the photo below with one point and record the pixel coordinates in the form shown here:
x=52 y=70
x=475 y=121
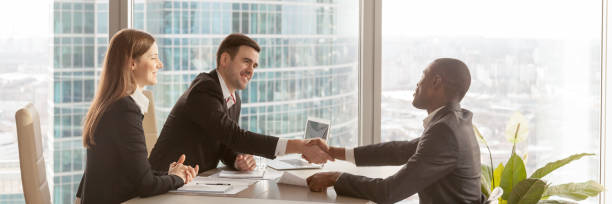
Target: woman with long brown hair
x=117 y=168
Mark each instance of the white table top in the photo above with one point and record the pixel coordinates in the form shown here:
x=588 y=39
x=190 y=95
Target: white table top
x=268 y=191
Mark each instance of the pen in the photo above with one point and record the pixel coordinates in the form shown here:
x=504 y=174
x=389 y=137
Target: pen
x=216 y=184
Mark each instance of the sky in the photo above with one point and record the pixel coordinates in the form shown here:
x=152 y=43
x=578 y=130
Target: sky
x=568 y=19
x=404 y=18
x=26 y=19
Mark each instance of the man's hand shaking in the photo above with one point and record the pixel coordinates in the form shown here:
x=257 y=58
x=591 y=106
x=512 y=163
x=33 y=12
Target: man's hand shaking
x=313 y=150
x=316 y=151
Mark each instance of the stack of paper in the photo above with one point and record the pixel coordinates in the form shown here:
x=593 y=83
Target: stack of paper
x=205 y=187
x=208 y=185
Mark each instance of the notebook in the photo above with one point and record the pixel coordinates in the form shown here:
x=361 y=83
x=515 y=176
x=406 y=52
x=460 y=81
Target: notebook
x=205 y=187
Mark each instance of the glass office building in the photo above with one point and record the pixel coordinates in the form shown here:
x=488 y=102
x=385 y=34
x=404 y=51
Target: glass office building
x=308 y=63
x=308 y=66
x=546 y=66
x=80 y=31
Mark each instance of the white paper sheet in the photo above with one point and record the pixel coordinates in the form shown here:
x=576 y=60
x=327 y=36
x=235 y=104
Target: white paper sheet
x=292 y=179
x=270 y=174
x=204 y=188
x=237 y=185
x=241 y=174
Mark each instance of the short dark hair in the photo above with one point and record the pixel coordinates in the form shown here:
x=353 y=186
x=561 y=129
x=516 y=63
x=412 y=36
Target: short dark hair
x=231 y=44
x=455 y=75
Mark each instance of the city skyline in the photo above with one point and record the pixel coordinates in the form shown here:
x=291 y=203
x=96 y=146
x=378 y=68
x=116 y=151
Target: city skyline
x=510 y=73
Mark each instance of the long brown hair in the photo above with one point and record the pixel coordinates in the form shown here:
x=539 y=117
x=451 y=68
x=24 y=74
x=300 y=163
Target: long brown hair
x=117 y=79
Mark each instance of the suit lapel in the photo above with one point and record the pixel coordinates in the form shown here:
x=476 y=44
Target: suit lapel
x=234 y=111
x=214 y=75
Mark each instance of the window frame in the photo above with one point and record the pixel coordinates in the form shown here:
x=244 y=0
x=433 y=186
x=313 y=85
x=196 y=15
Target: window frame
x=604 y=158
x=370 y=27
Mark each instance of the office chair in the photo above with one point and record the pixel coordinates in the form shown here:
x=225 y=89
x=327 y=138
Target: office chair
x=148 y=123
x=31 y=160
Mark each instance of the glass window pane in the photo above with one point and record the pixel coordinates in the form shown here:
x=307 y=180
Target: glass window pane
x=333 y=67
x=89 y=19
x=543 y=65
x=79 y=47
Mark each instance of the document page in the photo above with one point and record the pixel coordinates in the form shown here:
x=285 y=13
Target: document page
x=241 y=174
x=292 y=179
x=207 y=185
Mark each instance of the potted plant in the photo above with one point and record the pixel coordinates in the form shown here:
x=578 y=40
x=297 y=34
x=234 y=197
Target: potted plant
x=512 y=176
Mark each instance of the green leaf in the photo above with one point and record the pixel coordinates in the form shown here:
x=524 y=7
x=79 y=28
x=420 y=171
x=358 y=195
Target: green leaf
x=555 y=202
x=479 y=136
x=497 y=174
x=485 y=179
x=528 y=191
x=556 y=164
x=575 y=191
x=484 y=187
x=482 y=140
x=486 y=172
x=514 y=172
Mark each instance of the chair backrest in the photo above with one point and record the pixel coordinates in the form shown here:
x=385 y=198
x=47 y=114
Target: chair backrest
x=31 y=160
x=148 y=123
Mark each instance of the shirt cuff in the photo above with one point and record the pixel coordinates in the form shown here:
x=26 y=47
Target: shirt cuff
x=281 y=147
x=349 y=154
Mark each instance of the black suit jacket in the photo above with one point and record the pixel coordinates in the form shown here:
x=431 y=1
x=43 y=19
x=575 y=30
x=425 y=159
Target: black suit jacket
x=117 y=168
x=201 y=127
x=442 y=166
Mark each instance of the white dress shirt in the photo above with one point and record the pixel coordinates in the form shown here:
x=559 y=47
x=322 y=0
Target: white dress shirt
x=141 y=100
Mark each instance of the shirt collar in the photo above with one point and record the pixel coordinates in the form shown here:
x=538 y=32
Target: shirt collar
x=427 y=120
x=141 y=100
x=224 y=89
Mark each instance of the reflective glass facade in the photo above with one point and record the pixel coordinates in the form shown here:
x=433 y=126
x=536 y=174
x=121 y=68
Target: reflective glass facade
x=80 y=33
x=308 y=61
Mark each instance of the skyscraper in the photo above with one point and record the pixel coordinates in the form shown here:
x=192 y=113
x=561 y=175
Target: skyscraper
x=80 y=30
x=308 y=61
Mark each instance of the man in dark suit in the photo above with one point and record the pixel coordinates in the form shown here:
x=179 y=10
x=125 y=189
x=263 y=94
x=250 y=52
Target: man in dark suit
x=204 y=121
x=442 y=166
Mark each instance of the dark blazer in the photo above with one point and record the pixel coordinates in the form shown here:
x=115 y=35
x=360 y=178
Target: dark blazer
x=442 y=166
x=201 y=127
x=117 y=168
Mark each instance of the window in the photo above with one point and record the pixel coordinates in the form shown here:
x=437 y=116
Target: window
x=547 y=66
x=308 y=61
x=24 y=78
x=82 y=42
x=540 y=58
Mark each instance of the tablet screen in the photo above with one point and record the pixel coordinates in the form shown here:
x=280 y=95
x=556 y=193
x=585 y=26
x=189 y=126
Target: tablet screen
x=316 y=129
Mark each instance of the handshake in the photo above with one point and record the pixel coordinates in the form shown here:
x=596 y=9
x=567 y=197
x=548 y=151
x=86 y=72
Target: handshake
x=313 y=150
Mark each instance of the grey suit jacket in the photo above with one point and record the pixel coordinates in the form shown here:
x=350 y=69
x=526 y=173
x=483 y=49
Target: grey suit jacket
x=442 y=166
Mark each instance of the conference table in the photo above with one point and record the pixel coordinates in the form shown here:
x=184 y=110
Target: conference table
x=269 y=191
